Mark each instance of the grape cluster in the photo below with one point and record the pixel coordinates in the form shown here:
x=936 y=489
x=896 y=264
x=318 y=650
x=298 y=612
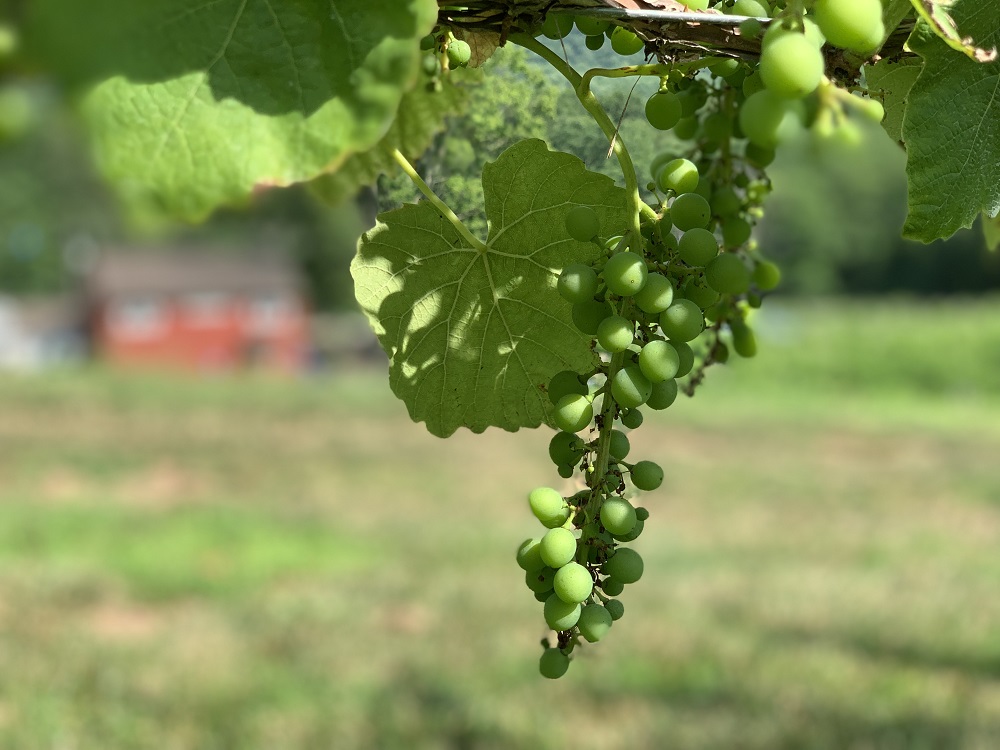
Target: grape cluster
x=443 y=52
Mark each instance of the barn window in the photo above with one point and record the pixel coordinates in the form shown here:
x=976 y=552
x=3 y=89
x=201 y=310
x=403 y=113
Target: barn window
x=270 y=312
x=205 y=309
x=137 y=317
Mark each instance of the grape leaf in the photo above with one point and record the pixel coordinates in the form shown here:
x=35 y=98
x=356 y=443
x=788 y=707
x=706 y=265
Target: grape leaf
x=421 y=115
x=890 y=82
x=936 y=13
x=473 y=337
x=202 y=100
x=952 y=128
x=991 y=231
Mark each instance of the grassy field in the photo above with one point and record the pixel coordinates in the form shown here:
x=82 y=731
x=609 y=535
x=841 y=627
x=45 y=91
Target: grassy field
x=249 y=564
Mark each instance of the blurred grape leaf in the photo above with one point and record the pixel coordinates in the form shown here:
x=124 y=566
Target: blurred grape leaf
x=991 y=230
x=890 y=82
x=199 y=101
x=473 y=337
x=952 y=129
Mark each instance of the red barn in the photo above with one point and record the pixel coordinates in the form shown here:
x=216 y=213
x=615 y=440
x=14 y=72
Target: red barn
x=197 y=311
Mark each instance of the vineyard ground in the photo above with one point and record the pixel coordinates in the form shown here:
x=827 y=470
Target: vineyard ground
x=250 y=564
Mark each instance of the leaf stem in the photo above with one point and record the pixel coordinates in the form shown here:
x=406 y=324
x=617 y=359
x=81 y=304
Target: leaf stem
x=439 y=204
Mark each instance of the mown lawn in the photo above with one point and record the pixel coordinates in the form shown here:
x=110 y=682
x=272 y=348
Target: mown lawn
x=251 y=564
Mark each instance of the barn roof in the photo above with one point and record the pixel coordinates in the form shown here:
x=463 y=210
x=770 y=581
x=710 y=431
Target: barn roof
x=119 y=272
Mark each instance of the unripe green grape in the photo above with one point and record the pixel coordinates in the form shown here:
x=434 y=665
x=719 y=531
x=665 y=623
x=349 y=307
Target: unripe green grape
x=657 y=164
x=766 y=275
x=754 y=8
x=582 y=223
x=872 y=108
x=625 y=273
x=625 y=565
x=557 y=547
x=685 y=354
x=553 y=663
x=717 y=128
x=560 y=615
x=697 y=247
x=529 y=555
x=577 y=283
x=663 y=395
x=565 y=448
x=617 y=515
x=701 y=295
x=615 y=608
x=705 y=190
x=541 y=596
x=855 y=25
x=780 y=28
x=620 y=445
x=764 y=118
x=682 y=321
x=724 y=67
x=656 y=294
x=591 y=26
x=540 y=580
x=721 y=353
x=625 y=43
x=573 y=583
x=679 y=175
x=548 y=506
x=752 y=84
x=431 y=64
x=564 y=383
x=594 y=623
x=726 y=202
x=616 y=333
x=632 y=535
x=791 y=66
x=754 y=300
x=557 y=26
x=459 y=53
x=663 y=110
x=736 y=231
x=594 y=43
x=686 y=128
x=744 y=341
x=728 y=274
x=669 y=244
x=751 y=28
x=427 y=43
x=632 y=418
x=573 y=413
x=641 y=514
x=695 y=4
x=566 y=471
x=690 y=211
x=630 y=388
x=759 y=156
x=612 y=586
x=646 y=476
x=658 y=361
x=587 y=316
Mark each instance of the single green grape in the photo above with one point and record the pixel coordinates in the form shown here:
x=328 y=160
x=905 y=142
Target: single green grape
x=685 y=355
x=663 y=110
x=782 y=27
x=736 y=231
x=696 y=4
x=564 y=383
x=557 y=547
x=459 y=53
x=701 y=295
x=683 y=320
x=591 y=26
x=625 y=43
x=630 y=388
x=632 y=418
x=540 y=580
x=766 y=275
x=620 y=445
x=759 y=156
x=587 y=316
x=641 y=514
x=855 y=25
x=577 y=283
x=594 y=622
x=767 y=119
x=565 y=448
x=529 y=556
x=625 y=273
x=548 y=506
x=573 y=412
x=617 y=515
x=632 y=535
x=582 y=223
x=663 y=395
x=624 y=565
x=690 y=211
x=615 y=608
x=679 y=175
x=726 y=202
x=728 y=274
x=595 y=42
x=717 y=127
x=560 y=615
x=553 y=663
x=646 y=476
x=686 y=128
x=744 y=341
x=791 y=66
x=753 y=8
x=697 y=247
x=427 y=43
x=751 y=85
x=656 y=294
x=612 y=586
x=616 y=333
x=557 y=26
x=659 y=361
x=573 y=583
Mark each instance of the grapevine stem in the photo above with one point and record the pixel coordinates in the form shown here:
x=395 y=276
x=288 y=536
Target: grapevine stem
x=439 y=204
x=590 y=103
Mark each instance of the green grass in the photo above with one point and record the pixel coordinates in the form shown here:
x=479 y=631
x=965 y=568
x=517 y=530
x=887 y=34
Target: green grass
x=252 y=563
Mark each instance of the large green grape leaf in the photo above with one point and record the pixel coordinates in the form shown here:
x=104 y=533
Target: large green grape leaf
x=890 y=82
x=473 y=337
x=421 y=116
x=952 y=128
x=937 y=15
x=200 y=101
